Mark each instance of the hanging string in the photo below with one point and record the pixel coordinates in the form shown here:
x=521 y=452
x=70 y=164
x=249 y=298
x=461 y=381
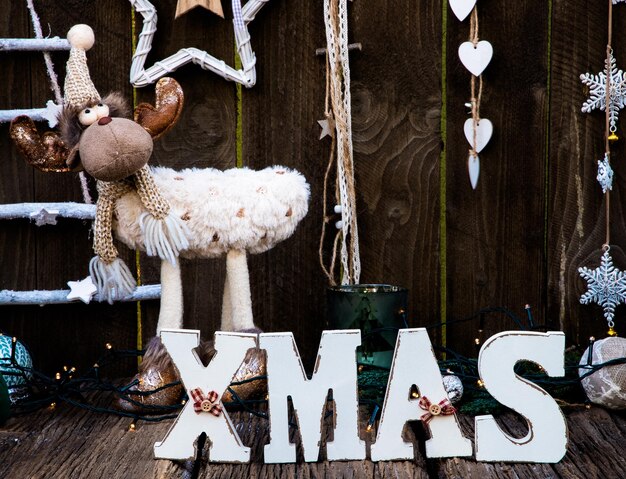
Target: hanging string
x=328 y=115
x=475 y=99
x=607 y=108
x=336 y=22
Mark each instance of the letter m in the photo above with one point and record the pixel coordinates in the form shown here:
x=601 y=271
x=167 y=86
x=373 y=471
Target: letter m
x=335 y=369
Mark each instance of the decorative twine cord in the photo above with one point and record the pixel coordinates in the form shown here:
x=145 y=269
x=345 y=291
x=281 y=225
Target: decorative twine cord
x=335 y=18
x=328 y=115
x=56 y=89
x=475 y=99
x=607 y=129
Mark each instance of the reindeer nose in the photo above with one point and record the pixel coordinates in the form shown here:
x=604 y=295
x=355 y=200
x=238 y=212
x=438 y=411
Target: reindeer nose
x=105 y=120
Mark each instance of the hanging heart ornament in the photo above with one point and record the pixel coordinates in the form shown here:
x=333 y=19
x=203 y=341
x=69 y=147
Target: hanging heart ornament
x=473 y=168
x=476 y=58
x=484 y=130
x=462 y=8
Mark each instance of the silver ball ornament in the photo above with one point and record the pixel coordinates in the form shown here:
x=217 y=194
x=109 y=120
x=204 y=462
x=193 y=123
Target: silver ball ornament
x=606 y=386
x=454 y=387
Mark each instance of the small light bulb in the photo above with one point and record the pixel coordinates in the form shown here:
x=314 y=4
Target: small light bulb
x=53 y=405
x=132 y=426
x=108 y=346
x=368 y=428
x=360 y=368
x=57 y=376
x=183 y=402
x=476 y=341
x=480 y=383
x=415 y=394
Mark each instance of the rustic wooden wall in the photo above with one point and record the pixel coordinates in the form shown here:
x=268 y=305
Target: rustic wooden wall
x=536 y=216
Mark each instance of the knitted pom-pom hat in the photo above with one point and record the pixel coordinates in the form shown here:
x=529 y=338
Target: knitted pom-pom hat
x=165 y=233
x=79 y=89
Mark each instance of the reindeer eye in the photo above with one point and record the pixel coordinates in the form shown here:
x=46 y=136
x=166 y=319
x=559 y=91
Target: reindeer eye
x=87 y=116
x=102 y=110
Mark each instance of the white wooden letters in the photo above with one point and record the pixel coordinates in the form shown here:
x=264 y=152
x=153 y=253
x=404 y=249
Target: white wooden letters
x=414 y=364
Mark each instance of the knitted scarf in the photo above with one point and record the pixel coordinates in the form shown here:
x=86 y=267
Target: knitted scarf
x=165 y=234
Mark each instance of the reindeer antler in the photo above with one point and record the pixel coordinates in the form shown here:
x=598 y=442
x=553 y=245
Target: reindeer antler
x=45 y=152
x=169 y=104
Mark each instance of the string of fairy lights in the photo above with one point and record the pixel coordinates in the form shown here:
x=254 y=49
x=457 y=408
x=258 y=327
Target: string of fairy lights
x=83 y=390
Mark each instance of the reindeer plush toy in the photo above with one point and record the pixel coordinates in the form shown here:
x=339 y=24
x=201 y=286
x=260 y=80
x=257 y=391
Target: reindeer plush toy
x=191 y=213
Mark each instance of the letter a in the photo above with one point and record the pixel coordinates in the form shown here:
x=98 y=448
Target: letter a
x=414 y=363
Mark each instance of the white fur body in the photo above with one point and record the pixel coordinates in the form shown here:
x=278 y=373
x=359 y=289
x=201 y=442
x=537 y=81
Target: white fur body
x=237 y=209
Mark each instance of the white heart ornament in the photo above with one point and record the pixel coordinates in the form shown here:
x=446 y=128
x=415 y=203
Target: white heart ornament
x=473 y=168
x=475 y=58
x=484 y=130
x=462 y=8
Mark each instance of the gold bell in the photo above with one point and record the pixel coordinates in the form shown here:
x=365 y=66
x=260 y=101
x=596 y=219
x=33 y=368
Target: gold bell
x=613 y=137
x=611 y=332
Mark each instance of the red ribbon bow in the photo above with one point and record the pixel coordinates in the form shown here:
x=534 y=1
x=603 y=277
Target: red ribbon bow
x=209 y=403
x=443 y=408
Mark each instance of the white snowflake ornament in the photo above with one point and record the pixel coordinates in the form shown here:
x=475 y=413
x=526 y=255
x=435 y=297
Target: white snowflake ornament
x=606 y=285
x=605 y=174
x=597 y=91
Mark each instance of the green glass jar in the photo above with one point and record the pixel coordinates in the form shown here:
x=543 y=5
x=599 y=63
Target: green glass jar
x=378 y=310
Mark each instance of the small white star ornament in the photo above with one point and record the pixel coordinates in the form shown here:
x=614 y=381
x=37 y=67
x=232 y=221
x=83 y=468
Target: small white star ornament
x=597 y=91
x=606 y=286
x=44 y=217
x=82 y=290
x=328 y=127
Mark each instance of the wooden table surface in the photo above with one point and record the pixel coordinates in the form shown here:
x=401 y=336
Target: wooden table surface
x=69 y=442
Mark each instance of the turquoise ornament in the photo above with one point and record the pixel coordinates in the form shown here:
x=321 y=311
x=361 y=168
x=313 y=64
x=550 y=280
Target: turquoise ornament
x=15 y=366
x=5 y=402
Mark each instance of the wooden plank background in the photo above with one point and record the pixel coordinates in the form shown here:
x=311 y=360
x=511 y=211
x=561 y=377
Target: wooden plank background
x=536 y=216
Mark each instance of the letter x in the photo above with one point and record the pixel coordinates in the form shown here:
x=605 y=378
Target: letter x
x=231 y=348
